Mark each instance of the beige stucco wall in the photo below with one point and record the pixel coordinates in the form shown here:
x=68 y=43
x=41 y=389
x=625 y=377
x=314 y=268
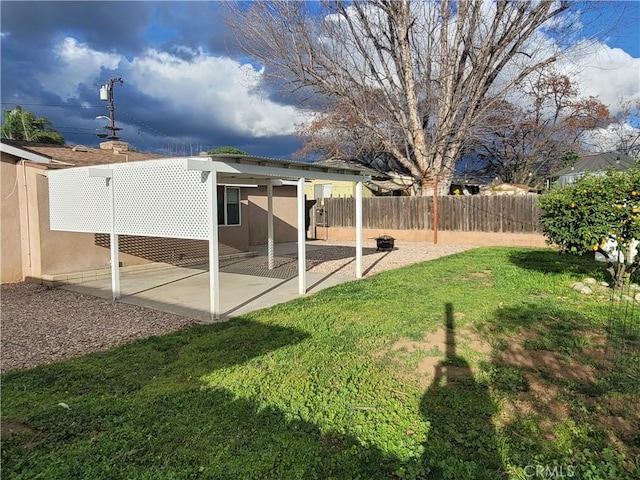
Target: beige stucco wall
x=444 y=237
x=10 y=243
x=285 y=211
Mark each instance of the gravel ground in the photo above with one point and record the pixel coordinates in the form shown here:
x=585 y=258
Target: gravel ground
x=41 y=325
x=340 y=257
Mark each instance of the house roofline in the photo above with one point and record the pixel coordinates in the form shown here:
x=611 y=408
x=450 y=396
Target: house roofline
x=24 y=154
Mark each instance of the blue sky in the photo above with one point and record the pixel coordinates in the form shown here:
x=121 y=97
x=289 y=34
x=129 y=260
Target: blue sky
x=187 y=88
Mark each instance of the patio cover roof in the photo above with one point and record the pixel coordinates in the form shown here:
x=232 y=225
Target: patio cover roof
x=176 y=197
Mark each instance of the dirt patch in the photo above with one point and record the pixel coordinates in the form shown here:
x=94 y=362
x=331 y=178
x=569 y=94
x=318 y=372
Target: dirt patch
x=545 y=398
x=621 y=414
x=436 y=346
x=469 y=339
x=623 y=427
x=542 y=398
x=430 y=342
x=549 y=362
x=427 y=366
x=9 y=427
x=482 y=274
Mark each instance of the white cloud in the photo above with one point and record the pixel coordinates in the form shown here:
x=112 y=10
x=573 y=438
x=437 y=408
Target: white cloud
x=215 y=89
x=615 y=136
x=78 y=64
x=605 y=72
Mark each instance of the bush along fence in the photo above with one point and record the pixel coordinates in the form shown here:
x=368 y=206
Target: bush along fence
x=478 y=213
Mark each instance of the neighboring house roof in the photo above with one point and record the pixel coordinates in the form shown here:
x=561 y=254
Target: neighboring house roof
x=597 y=163
x=340 y=163
x=70 y=155
x=64 y=156
x=380 y=182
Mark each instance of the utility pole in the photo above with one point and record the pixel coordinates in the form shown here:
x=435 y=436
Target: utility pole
x=106 y=94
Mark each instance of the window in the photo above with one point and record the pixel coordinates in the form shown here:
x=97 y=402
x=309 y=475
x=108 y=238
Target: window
x=228 y=205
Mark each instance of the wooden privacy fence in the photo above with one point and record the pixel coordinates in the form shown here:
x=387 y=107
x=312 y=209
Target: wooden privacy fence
x=477 y=213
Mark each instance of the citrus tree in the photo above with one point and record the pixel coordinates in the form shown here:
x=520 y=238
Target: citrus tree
x=596 y=214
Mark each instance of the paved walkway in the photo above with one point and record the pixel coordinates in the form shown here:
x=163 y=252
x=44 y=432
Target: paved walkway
x=245 y=285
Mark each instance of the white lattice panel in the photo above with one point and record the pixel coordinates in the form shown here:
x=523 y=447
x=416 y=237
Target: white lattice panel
x=161 y=199
x=77 y=202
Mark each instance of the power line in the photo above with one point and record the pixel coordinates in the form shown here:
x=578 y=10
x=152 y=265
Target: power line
x=51 y=105
x=142 y=124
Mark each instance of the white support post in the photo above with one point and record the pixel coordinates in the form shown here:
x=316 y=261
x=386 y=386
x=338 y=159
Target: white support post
x=302 y=252
x=214 y=264
x=114 y=246
x=270 y=240
x=115 y=265
x=359 y=230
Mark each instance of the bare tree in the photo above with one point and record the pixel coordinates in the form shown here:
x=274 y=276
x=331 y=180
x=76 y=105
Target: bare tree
x=520 y=143
x=417 y=77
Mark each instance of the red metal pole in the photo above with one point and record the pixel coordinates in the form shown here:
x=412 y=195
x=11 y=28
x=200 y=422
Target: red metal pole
x=435 y=209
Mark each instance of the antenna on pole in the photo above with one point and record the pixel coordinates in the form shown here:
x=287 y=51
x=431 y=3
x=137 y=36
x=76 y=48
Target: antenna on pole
x=106 y=94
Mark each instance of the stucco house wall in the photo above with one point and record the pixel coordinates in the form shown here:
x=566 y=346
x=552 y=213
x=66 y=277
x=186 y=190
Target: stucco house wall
x=10 y=234
x=285 y=219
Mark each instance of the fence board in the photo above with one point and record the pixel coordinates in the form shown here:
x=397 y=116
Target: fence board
x=479 y=213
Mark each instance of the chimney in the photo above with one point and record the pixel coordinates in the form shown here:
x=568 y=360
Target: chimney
x=115 y=146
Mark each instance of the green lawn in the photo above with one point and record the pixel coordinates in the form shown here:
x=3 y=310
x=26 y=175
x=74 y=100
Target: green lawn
x=485 y=364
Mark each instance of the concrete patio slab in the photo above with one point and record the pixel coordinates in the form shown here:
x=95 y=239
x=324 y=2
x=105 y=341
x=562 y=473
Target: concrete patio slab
x=185 y=291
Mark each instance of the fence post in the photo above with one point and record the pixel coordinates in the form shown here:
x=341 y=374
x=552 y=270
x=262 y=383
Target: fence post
x=435 y=210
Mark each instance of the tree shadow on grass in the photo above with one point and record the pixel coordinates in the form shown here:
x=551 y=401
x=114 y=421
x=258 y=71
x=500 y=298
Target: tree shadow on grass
x=550 y=343
x=181 y=358
x=141 y=411
x=193 y=433
x=546 y=326
x=462 y=442
x=550 y=365
x=550 y=262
